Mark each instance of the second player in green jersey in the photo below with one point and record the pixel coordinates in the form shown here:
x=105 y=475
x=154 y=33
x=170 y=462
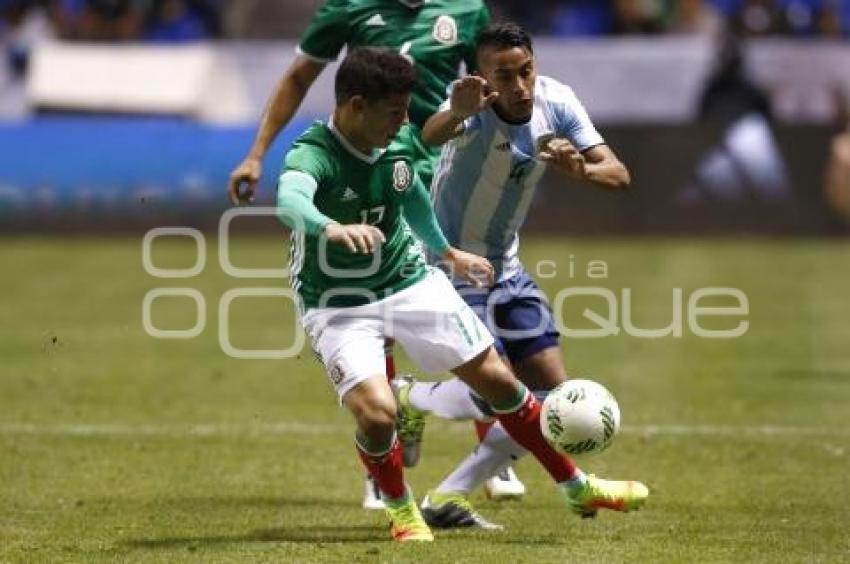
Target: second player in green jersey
x=437 y=36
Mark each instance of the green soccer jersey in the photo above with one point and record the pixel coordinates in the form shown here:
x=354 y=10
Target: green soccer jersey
x=437 y=37
x=355 y=188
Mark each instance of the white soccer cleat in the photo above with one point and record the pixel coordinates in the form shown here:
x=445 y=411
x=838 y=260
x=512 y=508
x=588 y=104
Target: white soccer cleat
x=504 y=485
x=372 y=495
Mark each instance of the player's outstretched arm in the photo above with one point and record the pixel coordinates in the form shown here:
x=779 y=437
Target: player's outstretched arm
x=295 y=207
x=296 y=210
x=469 y=96
x=282 y=105
x=597 y=165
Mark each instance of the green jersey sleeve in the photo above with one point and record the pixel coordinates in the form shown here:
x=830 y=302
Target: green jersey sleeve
x=304 y=173
x=295 y=207
x=327 y=33
x=419 y=214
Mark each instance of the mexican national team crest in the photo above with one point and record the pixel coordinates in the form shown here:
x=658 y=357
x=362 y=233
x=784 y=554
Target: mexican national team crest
x=401 y=176
x=445 y=30
x=336 y=373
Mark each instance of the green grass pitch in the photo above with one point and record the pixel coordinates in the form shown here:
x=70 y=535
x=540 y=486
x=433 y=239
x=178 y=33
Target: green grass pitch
x=118 y=446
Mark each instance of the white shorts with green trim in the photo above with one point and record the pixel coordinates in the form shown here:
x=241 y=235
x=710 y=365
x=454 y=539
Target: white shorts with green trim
x=429 y=319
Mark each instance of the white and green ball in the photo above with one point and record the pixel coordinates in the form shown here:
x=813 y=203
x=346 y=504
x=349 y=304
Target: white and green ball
x=580 y=417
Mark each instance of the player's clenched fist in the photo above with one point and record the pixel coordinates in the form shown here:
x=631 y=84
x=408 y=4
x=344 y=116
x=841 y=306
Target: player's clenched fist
x=243 y=181
x=565 y=156
x=477 y=270
x=470 y=96
x=357 y=238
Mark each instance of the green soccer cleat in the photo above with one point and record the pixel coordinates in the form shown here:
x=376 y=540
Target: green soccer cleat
x=597 y=493
x=411 y=421
x=406 y=522
x=453 y=510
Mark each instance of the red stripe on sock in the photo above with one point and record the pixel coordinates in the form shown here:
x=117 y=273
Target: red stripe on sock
x=482 y=428
x=389 y=359
x=386 y=470
x=523 y=425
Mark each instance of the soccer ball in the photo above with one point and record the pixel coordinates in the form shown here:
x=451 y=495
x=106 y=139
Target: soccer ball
x=580 y=417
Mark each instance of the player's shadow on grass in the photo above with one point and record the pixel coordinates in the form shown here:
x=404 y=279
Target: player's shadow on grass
x=313 y=534
x=836 y=375
x=317 y=534
x=213 y=503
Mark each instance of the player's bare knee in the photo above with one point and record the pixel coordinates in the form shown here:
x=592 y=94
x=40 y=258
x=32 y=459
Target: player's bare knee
x=384 y=417
x=488 y=375
x=376 y=417
x=377 y=428
x=472 y=369
x=493 y=369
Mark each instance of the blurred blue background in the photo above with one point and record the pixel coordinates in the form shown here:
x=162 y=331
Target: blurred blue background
x=119 y=113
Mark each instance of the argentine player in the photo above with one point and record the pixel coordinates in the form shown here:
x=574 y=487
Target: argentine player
x=502 y=129
x=361 y=282
x=437 y=35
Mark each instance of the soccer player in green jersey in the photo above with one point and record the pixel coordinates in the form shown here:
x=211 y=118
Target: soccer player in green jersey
x=436 y=36
x=349 y=191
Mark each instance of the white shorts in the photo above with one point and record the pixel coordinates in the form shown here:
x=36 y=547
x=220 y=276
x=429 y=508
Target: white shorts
x=429 y=319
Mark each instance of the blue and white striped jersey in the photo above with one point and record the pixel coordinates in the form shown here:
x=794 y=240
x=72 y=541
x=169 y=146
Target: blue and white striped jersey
x=486 y=177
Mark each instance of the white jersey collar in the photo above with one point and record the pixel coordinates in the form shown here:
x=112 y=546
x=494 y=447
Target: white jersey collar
x=370 y=159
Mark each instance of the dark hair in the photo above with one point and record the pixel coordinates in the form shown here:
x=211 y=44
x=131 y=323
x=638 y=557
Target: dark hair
x=503 y=35
x=374 y=73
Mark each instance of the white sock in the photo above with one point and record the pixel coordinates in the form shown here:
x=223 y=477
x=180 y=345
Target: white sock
x=497 y=451
x=449 y=399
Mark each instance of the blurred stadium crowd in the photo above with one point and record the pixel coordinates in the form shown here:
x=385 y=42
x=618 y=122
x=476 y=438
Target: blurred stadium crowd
x=828 y=18
x=25 y=22
x=694 y=73
x=192 y=20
